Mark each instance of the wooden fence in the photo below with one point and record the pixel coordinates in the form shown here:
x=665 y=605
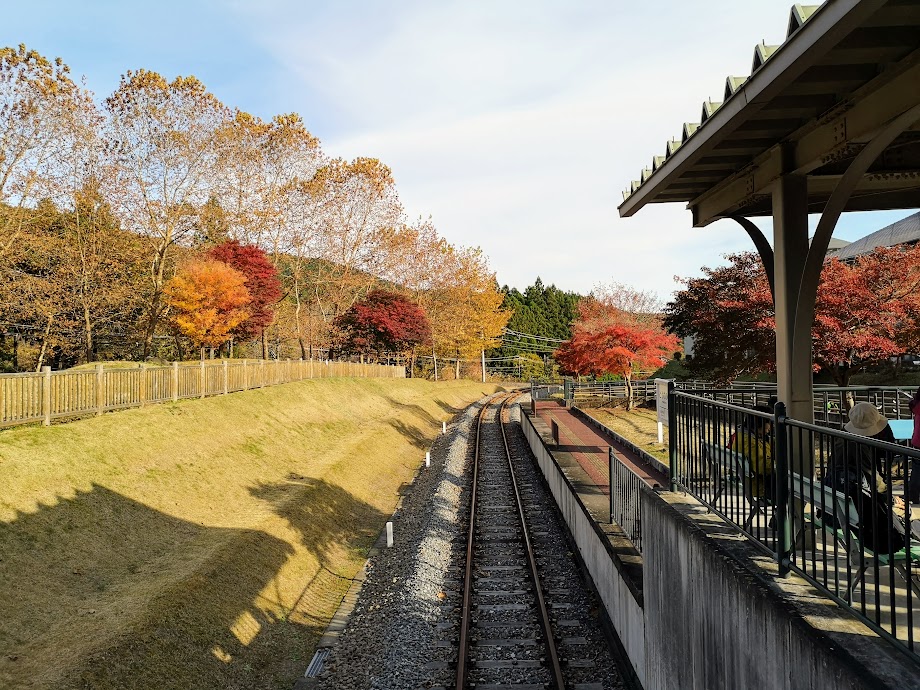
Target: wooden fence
x=41 y=397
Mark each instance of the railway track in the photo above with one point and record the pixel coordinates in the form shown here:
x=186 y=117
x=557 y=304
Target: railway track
x=527 y=620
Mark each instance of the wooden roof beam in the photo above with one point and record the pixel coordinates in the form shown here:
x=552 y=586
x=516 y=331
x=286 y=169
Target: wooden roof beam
x=818 y=143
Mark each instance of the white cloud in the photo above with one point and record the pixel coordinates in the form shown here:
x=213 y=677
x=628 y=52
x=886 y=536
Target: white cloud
x=517 y=124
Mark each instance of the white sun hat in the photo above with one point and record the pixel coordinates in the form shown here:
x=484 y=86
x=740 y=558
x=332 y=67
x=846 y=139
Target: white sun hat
x=865 y=420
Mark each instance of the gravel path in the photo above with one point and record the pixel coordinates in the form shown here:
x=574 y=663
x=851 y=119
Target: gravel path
x=388 y=640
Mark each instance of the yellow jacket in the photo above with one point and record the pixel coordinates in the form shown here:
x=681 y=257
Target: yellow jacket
x=760 y=454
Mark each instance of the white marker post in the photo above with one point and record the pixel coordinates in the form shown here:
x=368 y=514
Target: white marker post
x=443 y=427
x=661 y=404
x=428 y=459
x=389 y=535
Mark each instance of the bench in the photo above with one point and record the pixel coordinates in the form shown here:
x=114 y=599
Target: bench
x=836 y=508
x=726 y=464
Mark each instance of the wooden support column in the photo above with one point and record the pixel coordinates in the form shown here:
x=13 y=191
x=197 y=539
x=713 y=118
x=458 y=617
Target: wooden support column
x=142 y=386
x=46 y=395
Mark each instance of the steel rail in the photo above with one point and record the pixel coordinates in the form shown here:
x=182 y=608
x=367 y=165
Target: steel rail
x=465 y=613
x=551 y=652
x=463 y=648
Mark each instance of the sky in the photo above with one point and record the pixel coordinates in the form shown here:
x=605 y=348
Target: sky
x=514 y=124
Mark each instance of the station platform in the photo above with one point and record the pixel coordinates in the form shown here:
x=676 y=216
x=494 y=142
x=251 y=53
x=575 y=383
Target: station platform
x=588 y=445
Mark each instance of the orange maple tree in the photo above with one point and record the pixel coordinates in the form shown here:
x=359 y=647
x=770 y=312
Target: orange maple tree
x=207 y=300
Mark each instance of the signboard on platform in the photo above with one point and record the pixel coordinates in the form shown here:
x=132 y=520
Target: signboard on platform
x=661 y=399
x=661 y=404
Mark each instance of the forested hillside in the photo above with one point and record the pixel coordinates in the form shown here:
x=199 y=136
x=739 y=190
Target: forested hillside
x=540 y=310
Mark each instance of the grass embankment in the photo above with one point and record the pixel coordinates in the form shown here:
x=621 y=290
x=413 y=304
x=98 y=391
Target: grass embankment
x=639 y=426
x=201 y=544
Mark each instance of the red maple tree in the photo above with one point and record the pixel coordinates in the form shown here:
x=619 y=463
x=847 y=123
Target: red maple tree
x=729 y=314
x=383 y=322
x=262 y=282
x=866 y=311
x=607 y=339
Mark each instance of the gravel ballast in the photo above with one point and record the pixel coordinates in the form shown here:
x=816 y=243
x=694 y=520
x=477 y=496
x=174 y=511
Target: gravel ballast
x=402 y=629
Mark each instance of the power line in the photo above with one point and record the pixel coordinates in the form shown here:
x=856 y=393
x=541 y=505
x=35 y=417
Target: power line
x=531 y=336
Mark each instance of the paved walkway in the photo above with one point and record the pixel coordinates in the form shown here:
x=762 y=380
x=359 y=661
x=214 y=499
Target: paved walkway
x=589 y=447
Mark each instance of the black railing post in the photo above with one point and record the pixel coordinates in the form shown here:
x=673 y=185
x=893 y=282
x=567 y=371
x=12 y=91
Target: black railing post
x=781 y=469
x=610 y=480
x=672 y=434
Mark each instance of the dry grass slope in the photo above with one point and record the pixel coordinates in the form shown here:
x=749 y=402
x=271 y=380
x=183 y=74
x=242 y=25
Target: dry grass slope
x=639 y=426
x=203 y=544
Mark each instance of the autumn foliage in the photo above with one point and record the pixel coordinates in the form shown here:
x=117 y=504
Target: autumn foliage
x=104 y=201
x=866 y=311
x=207 y=299
x=617 y=332
x=384 y=322
x=262 y=283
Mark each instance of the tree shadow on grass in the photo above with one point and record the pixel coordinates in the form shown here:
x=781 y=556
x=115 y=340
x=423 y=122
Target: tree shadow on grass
x=70 y=573
x=69 y=570
x=414 y=409
x=323 y=514
x=448 y=408
x=414 y=435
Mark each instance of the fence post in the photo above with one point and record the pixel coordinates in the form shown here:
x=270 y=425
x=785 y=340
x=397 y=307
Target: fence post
x=202 y=380
x=262 y=372
x=288 y=377
x=142 y=384
x=46 y=395
x=245 y=376
x=673 y=434
x=175 y=381
x=100 y=389
x=610 y=480
x=226 y=377
x=783 y=521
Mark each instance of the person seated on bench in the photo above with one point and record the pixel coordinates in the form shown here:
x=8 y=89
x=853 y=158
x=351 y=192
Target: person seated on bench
x=913 y=472
x=754 y=441
x=853 y=469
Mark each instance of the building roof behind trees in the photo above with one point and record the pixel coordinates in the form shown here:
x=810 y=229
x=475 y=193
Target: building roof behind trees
x=905 y=231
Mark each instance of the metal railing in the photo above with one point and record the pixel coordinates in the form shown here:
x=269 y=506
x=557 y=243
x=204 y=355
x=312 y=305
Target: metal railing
x=606 y=392
x=625 y=488
x=830 y=402
x=49 y=395
x=824 y=503
x=544 y=391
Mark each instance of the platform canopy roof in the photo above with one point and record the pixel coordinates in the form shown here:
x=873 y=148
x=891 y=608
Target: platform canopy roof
x=810 y=104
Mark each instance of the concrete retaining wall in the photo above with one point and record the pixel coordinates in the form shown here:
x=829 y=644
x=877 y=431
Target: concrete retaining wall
x=596 y=550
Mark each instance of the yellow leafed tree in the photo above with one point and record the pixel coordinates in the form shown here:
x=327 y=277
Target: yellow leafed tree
x=464 y=307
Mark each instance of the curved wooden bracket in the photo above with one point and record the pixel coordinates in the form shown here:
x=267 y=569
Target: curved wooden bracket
x=763 y=248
